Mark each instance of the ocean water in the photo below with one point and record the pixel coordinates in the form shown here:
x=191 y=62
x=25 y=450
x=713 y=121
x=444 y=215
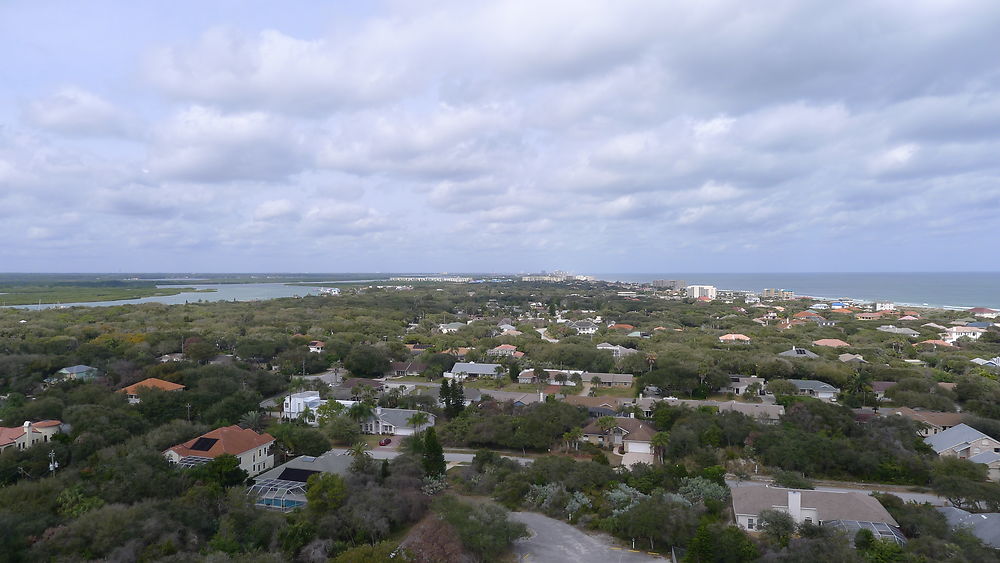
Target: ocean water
x=933 y=289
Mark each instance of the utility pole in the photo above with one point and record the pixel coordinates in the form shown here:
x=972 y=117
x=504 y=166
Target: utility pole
x=53 y=464
x=188 y=405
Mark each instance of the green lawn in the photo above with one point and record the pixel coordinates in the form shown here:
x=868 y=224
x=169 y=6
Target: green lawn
x=613 y=391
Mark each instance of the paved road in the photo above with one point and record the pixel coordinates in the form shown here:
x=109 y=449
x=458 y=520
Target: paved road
x=553 y=541
x=934 y=500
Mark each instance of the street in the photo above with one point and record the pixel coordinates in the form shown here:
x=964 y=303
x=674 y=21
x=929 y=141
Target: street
x=554 y=541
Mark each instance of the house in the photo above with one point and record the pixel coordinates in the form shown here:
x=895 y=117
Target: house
x=464 y=370
x=302 y=405
x=459 y=352
x=849 y=511
x=633 y=434
x=892 y=329
x=609 y=379
x=763 y=412
x=821 y=321
x=638 y=334
x=986 y=526
x=991 y=363
x=284 y=487
x=935 y=326
x=909 y=318
x=78 y=373
x=868 y=316
x=962 y=441
x=852 y=359
x=132 y=391
x=316 y=346
x=931 y=422
x=984 y=312
x=395 y=422
x=471 y=394
x=806 y=315
x=449 y=328
x=403 y=369
x=797 y=352
x=28 y=434
x=734 y=338
x=935 y=343
x=818 y=389
x=596 y=406
x=357 y=387
x=252 y=449
x=954 y=333
x=505 y=351
x=880 y=387
x=739 y=384
x=555 y=377
x=417 y=349
x=616 y=351
x=831 y=342
x=621 y=326
x=884 y=306
x=583 y=327
x=177 y=357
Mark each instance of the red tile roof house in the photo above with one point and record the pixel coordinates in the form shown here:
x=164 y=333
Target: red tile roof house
x=252 y=449
x=734 y=338
x=132 y=391
x=28 y=434
x=506 y=350
x=831 y=342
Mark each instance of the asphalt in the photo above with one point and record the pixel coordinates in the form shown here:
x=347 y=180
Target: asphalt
x=554 y=541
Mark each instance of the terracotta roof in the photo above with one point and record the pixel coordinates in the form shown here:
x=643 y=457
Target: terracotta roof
x=980 y=310
x=226 y=440
x=506 y=347
x=805 y=314
x=9 y=435
x=621 y=326
x=933 y=418
x=831 y=342
x=741 y=337
x=151 y=383
x=47 y=423
x=935 y=343
x=592 y=402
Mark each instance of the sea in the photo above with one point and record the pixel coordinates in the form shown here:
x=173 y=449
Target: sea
x=958 y=290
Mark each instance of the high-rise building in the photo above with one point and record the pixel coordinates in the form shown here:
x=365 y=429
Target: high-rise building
x=696 y=291
x=674 y=285
x=781 y=294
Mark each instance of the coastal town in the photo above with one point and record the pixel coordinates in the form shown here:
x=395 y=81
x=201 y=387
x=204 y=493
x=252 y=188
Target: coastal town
x=661 y=421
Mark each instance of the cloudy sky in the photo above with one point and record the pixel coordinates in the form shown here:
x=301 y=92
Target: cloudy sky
x=499 y=136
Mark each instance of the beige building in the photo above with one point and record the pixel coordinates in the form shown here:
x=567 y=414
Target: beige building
x=27 y=435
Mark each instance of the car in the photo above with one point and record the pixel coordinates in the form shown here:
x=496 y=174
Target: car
x=385 y=441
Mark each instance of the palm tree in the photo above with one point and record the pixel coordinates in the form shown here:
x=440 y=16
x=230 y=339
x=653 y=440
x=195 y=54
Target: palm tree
x=417 y=420
x=606 y=423
x=360 y=412
x=362 y=459
x=253 y=420
x=659 y=443
x=572 y=438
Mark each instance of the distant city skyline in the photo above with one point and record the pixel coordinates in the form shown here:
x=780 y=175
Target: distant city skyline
x=727 y=137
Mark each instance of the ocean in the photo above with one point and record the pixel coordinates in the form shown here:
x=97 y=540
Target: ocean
x=927 y=289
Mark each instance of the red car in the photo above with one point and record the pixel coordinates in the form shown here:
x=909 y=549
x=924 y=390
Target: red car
x=385 y=441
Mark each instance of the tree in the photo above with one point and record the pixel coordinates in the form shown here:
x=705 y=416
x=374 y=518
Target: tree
x=457 y=404
x=325 y=492
x=417 y=420
x=484 y=529
x=782 y=387
x=328 y=411
x=660 y=441
x=223 y=470
x=777 y=526
x=444 y=393
x=253 y=420
x=366 y=361
x=360 y=411
x=606 y=423
x=342 y=430
x=433 y=456
x=362 y=458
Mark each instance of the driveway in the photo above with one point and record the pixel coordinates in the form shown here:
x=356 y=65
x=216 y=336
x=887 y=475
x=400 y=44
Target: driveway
x=554 y=541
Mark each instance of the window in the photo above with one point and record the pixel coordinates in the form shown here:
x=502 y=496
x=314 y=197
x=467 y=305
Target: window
x=809 y=520
x=750 y=523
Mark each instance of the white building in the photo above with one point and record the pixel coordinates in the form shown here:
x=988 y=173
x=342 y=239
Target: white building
x=951 y=335
x=296 y=404
x=395 y=422
x=884 y=306
x=696 y=291
x=252 y=449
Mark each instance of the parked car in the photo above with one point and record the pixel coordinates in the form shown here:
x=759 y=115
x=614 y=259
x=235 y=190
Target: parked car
x=385 y=441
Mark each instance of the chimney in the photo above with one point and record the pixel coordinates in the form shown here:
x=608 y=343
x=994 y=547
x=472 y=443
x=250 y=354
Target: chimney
x=795 y=505
x=378 y=411
x=27 y=424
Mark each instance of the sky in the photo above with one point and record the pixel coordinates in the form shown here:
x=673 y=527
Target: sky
x=504 y=136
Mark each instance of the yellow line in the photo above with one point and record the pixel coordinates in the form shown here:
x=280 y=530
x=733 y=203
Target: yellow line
x=617 y=548
x=634 y=551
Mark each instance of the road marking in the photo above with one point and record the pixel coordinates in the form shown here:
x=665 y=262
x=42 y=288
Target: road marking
x=616 y=548
x=634 y=551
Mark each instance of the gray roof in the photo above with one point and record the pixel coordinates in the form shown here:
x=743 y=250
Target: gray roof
x=797 y=352
x=897 y=330
x=985 y=457
x=803 y=384
x=955 y=436
x=332 y=461
x=472 y=368
x=829 y=505
x=77 y=369
x=399 y=417
x=609 y=377
x=986 y=527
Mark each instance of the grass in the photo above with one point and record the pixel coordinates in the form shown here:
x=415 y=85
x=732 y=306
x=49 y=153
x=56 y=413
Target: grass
x=47 y=294
x=613 y=391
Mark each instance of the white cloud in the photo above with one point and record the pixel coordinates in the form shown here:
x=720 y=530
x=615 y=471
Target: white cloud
x=77 y=112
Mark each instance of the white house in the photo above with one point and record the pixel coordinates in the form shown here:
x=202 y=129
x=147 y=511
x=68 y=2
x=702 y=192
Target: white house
x=826 y=508
x=818 y=389
x=296 y=404
x=952 y=334
x=884 y=306
x=616 y=351
x=696 y=291
x=252 y=449
x=464 y=370
x=738 y=384
x=633 y=434
x=449 y=328
x=316 y=346
x=394 y=422
x=28 y=434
